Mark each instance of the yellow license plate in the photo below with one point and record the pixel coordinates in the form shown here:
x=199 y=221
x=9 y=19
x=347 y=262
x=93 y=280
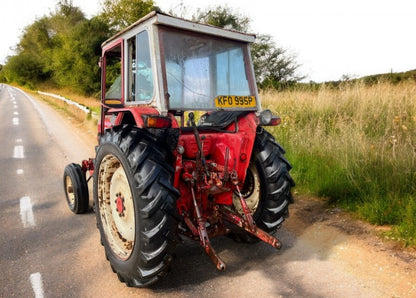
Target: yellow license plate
x=232 y=101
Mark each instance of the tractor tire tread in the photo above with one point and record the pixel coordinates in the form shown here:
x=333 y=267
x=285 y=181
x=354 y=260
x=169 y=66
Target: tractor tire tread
x=278 y=182
x=81 y=196
x=155 y=199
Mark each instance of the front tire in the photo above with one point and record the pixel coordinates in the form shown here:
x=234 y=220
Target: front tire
x=267 y=187
x=135 y=205
x=76 y=188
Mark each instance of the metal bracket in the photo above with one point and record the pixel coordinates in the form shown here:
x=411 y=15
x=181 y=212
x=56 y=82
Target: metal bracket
x=203 y=235
x=247 y=222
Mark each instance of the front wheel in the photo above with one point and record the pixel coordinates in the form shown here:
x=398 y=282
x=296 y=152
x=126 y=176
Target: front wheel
x=135 y=205
x=76 y=188
x=267 y=187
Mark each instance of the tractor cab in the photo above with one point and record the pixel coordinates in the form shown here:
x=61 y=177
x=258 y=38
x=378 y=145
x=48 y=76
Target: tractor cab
x=170 y=65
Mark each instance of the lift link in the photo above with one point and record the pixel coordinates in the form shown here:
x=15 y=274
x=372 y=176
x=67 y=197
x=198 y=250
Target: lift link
x=248 y=224
x=203 y=235
x=198 y=143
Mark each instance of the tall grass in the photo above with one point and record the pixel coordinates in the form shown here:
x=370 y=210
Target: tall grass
x=356 y=145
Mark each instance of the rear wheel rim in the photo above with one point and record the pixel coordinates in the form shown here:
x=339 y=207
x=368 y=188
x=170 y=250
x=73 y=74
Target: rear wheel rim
x=250 y=191
x=116 y=207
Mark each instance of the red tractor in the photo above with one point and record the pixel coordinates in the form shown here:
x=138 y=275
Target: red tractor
x=182 y=149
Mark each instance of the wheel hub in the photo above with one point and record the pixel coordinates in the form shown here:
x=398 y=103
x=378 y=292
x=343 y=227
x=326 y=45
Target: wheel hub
x=120 y=204
x=248 y=187
x=250 y=191
x=70 y=190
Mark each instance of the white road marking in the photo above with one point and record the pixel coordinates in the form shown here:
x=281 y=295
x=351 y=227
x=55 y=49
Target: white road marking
x=18 y=140
x=26 y=212
x=15 y=121
x=15 y=113
x=15 y=106
x=37 y=284
x=19 y=172
x=18 y=152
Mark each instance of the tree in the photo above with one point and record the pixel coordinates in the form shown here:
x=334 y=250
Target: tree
x=66 y=17
x=62 y=49
x=22 y=69
x=63 y=22
x=42 y=44
x=272 y=65
x=119 y=14
x=76 y=61
x=31 y=64
x=88 y=38
x=222 y=16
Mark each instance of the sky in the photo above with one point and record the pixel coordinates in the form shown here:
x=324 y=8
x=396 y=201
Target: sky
x=330 y=39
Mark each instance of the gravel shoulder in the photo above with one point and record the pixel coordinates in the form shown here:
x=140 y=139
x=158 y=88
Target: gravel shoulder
x=358 y=247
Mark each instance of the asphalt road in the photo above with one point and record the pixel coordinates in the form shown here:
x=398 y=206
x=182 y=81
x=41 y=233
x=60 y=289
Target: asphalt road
x=46 y=251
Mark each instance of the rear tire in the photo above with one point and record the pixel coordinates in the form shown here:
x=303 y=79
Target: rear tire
x=267 y=187
x=135 y=205
x=76 y=188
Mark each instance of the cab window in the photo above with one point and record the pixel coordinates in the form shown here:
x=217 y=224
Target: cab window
x=144 y=86
x=113 y=80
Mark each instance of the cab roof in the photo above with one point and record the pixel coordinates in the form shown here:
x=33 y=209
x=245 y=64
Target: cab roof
x=161 y=18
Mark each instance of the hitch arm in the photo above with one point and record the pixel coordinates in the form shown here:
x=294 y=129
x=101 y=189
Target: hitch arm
x=248 y=224
x=203 y=235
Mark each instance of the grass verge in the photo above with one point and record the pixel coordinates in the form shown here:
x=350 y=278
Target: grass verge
x=88 y=121
x=355 y=145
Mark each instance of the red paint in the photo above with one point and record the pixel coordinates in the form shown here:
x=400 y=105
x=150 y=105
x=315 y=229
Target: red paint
x=119 y=204
x=88 y=166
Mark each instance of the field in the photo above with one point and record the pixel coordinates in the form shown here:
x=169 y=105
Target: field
x=356 y=146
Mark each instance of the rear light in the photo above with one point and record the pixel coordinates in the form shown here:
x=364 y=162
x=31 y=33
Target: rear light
x=275 y=121
x=155 y=121
x=267 y=118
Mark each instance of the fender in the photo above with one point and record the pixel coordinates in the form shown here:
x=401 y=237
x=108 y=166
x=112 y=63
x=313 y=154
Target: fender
x=125 y=115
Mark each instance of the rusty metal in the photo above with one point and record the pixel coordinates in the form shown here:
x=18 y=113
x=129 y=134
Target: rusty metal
x=198 y=142
x=266 y=237
x=191 y=226
x=88 y=166
x=116 y=207
x=242 y=223
x=203 y=235
x=247 y=213
x=214 y=256
x=248 y=223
